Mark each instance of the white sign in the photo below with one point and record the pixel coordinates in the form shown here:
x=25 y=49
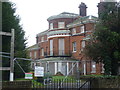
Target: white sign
x=39 y=71
x=28 y=76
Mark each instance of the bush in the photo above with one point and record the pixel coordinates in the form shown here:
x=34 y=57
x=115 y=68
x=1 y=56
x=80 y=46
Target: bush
x=59 y=74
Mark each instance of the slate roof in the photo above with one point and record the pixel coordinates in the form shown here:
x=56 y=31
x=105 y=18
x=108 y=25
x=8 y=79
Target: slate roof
x=34 y=47
x=63 y=15
x=81 y=20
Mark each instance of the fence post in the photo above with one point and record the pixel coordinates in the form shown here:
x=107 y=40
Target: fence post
x=12 y=57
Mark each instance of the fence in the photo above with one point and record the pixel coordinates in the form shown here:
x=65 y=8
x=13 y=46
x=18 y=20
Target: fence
x=62 y=84
x=50 y=84
x=6 y=85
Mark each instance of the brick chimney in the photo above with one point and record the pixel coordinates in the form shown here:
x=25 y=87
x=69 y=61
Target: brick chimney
x=82 y=9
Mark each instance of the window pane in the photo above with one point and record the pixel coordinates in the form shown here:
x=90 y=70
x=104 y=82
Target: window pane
x=74 y=46
x=82 y=29
x=42 y=51
x=73 y=31
x=83 y=44
x=30 y=54
x=61 y=24
x=51 y=25
x=42 y=39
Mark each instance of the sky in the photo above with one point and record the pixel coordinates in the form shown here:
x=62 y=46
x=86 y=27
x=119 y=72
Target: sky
x=34 y=13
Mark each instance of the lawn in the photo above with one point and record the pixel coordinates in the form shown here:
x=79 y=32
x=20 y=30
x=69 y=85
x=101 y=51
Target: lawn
x=61 y=77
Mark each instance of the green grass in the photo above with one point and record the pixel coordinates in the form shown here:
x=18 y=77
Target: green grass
x=21 y=79
x=37 y=84
x=68 y=79
x=98 y=76
x=61 y=77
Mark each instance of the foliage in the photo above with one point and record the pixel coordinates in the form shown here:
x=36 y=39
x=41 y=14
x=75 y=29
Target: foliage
x=9 y=21
x=104 y=45
x=59 y=74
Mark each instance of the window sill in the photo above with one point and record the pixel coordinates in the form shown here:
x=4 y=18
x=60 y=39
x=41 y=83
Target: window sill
x=93 y=71
x=74 y=51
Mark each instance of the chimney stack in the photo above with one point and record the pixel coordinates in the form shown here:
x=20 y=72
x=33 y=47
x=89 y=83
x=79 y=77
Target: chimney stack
x=82 y=9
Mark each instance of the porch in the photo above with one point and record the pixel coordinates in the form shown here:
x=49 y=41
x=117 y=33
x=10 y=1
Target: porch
x=64 y=65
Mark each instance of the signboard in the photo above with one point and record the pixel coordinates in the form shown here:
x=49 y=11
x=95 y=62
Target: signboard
x=39 y=71
x=28 y=76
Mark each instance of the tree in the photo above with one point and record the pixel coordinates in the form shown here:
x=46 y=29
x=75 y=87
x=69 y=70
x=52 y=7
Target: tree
x=104 y=45
x=9 y=21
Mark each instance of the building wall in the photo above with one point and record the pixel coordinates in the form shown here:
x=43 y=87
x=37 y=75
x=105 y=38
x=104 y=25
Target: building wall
x=55 y=21
x=68 y=44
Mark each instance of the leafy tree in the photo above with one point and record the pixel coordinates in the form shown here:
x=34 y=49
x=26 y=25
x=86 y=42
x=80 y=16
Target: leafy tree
x=104 y=45
x=9 y=21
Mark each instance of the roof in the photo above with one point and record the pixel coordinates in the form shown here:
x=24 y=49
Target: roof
x=83 y=20
x=42 y=33
x=63 y=15
x=34 y=47
x=57 y=59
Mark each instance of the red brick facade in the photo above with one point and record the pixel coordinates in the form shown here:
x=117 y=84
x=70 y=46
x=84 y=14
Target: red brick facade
x=75 y=29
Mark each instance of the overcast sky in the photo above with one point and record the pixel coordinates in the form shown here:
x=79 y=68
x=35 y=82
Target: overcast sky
x=34 y=13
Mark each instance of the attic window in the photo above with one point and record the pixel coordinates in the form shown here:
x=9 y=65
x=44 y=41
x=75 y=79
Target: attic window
x=61 y=24
x=51 y=25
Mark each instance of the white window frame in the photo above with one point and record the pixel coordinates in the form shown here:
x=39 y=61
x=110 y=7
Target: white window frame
x=103 y=68
x=83 y=44
x=73 y=31
x=51 y=25
x=61 y=24
x=93 y=66
x=42 y=39
x=42 y=52
x=74 y=47
x=82 y=29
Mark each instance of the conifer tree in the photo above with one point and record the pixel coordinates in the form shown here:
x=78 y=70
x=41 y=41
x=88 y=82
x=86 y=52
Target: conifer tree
x=9 y=21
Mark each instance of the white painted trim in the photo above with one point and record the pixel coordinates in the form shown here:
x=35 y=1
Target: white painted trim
x=43 y=41
x=58 y=29
x=84 y=68
x=67 y=68
x=55 y=67
x=57 y=36
x=72 y=69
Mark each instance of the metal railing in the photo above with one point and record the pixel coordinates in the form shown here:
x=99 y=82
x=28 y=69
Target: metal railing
x=58 y=53
x=61 y=84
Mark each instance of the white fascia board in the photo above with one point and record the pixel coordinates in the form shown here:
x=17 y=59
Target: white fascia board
x=58 y=36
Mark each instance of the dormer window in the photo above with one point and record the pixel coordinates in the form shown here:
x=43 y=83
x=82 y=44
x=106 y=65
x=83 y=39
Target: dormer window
x=82 y=29
x=61 y=24
x=51 y=25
